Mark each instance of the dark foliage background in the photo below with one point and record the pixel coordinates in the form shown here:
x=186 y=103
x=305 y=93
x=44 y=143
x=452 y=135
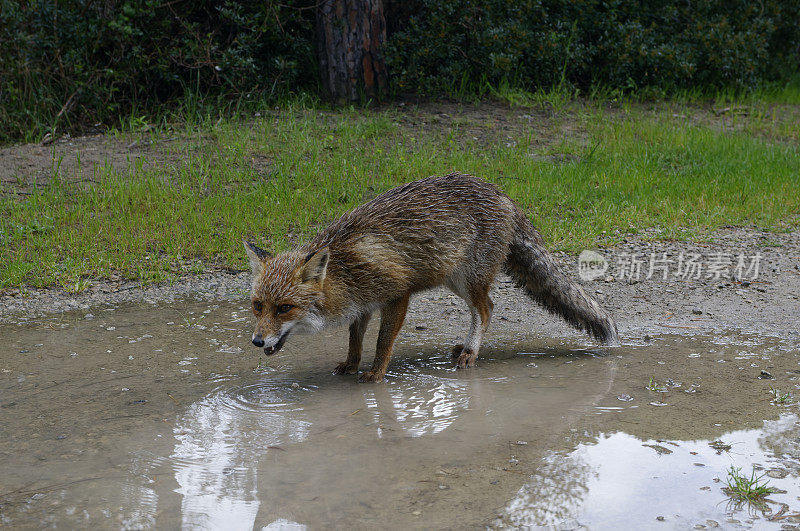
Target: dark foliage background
x=97 y=60
x=627 y=44
x=72 y=63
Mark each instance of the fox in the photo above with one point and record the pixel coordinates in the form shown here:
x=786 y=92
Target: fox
x=454 y=230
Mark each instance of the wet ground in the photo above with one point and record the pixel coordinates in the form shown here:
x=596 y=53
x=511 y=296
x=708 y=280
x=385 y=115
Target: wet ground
x=162 y=416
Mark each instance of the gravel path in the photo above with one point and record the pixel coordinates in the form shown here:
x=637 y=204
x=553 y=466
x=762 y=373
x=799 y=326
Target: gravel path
x=766 y=302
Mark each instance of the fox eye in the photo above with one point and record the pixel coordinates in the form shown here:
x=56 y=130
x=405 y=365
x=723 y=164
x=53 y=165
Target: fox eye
x=283 y=308
x=258 y=306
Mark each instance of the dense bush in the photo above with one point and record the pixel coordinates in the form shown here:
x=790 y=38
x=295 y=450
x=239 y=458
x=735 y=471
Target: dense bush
x=624 y=44
x=75 y=62
x=98 y=59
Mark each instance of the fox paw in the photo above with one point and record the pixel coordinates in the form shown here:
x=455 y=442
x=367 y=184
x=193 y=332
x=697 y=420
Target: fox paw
x=456 y=352
x=345 y=368
x=371 y=376
x=467 y=358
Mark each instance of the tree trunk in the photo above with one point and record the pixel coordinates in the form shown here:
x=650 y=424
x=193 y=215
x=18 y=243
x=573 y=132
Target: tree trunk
x=350 y=34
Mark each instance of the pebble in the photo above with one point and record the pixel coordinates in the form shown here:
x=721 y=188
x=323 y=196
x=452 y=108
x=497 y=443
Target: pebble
x=777 y=473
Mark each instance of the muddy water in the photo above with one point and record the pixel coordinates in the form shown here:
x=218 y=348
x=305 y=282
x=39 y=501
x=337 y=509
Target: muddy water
x=164 y=417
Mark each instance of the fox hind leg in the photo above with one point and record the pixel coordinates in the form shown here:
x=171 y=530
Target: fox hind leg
x=480 y=307
x=357 y=330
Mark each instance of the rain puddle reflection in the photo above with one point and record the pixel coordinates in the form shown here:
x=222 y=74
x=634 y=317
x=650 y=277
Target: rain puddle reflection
x=162 y=417
x=617 y=480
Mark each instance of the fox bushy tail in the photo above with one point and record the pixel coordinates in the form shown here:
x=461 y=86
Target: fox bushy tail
x=533 y=269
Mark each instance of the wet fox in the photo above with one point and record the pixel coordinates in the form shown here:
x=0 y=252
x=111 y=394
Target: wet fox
x=454 y=230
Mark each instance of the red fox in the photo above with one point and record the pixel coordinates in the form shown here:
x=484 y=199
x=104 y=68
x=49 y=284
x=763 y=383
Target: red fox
x=455 y=230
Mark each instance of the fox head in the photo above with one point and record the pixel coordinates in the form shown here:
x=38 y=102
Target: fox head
x=286 y=290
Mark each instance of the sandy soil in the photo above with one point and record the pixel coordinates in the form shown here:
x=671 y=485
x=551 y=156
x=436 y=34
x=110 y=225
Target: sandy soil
x=768 y=304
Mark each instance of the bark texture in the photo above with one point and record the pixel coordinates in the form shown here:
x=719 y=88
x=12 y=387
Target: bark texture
x=350 y=34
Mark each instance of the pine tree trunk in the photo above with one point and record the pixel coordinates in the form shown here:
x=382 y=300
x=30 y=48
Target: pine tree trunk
x=350 y=34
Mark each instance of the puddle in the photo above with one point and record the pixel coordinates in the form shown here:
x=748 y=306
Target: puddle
x=163 y=417
x=615 y=479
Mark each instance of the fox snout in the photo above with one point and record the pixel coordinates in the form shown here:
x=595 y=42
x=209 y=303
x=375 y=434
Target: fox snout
x=272 y=344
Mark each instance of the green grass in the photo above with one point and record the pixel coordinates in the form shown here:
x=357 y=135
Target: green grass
x=778 y=397
x=743 y=489
x=653 y=385
x=589 y=173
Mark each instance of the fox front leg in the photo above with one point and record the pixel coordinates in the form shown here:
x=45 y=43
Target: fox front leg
x=392 y=317
x=357 y=329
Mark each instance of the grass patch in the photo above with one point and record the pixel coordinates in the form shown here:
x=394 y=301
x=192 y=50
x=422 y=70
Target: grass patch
x=589 y=173
x=742 y=489
x=780 y=398
x=654 y=386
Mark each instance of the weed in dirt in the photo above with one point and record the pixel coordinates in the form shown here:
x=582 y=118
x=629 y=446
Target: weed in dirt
x=654 y=386
x=76 y=286
x=742 y=489
x=778 y=397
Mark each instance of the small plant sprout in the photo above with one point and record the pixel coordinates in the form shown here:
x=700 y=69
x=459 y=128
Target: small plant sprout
x=743 y=489
x=778 y=397
x=77 y=286
x=654 y=386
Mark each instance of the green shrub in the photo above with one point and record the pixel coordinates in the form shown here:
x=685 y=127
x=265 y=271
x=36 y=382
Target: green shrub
x=96 y=60
x=71 y=63
x=624 y=44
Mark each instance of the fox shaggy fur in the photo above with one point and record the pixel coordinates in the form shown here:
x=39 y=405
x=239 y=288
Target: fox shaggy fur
x=455 y=230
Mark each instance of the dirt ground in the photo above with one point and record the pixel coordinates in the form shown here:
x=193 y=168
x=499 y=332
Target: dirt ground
x=767 y=304
x=190 y=429
x=147 y=408
x=77 y=158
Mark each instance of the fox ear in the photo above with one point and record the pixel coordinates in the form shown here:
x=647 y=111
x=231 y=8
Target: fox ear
x=315 y=266
x=256 y=256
